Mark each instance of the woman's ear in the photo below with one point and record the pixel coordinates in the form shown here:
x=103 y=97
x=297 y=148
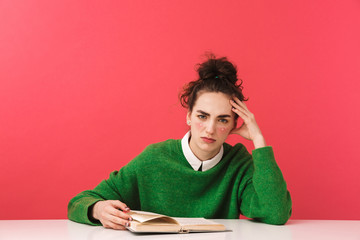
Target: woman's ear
x=188 y=118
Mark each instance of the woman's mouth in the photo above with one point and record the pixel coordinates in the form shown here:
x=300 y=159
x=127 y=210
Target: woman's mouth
x=208 y=140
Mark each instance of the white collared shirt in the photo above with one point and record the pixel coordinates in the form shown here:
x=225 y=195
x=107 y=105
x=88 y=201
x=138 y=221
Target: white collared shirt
x=194 y=161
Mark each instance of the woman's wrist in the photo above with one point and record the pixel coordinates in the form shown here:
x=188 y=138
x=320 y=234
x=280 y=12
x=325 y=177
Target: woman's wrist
x=94 y=211
x=259 y=142
x=91 y=214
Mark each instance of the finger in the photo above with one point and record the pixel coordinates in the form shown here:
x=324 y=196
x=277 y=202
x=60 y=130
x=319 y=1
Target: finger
x=236 y=105
x=235 y=130
x=240 y=113
x=109 y=217
x=242 y=131
x=241 y=103
x=118 y=213
x=114 y=226
x=119 y=221
x=246 y=111
x=120 y=205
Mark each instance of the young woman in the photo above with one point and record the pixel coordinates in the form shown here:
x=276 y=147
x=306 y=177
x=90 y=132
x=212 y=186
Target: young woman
x=199 y=175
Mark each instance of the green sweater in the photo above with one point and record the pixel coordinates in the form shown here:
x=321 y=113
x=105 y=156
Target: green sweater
x=161 y=180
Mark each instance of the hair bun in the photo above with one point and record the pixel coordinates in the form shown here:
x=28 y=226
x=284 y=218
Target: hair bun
x=216 y=75
x=217 y=68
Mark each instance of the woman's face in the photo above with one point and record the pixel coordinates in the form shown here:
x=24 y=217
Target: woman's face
x=211 y=122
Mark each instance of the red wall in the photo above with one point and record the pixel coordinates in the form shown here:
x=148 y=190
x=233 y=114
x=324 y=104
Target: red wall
x=86 y=85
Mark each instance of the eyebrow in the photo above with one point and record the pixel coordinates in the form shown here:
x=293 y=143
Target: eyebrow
x=207 y=114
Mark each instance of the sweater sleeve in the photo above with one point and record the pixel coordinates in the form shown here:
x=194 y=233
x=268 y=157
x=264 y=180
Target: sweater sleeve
x=265 y=197
x=121 y=185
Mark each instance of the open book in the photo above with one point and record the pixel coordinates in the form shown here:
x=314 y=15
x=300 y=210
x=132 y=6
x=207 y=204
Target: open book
x=148 y=222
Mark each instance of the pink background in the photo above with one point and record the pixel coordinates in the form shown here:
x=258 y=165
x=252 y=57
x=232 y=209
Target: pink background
x=86 y=85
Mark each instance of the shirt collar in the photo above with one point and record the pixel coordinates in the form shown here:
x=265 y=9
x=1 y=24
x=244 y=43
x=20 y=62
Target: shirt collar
x=194 y=161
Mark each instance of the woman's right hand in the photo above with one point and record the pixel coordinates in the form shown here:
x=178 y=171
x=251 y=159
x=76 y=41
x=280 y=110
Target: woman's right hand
x=112 y=214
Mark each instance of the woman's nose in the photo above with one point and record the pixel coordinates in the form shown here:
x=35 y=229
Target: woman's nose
x=210 y=127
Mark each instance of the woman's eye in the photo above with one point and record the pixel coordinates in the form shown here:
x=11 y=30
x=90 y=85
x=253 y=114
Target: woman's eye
x=223 y=120
x=202 y=116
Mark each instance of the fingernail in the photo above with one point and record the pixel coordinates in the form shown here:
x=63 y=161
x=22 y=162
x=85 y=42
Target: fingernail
x=130 y=219
x=127 y=224
x=127 y=209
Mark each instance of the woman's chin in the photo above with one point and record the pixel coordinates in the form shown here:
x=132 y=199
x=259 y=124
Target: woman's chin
x=209 y=147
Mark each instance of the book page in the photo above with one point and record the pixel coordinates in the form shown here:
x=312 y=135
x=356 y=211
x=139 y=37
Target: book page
x=194 y=221
x=150 y=217
x=142 y=216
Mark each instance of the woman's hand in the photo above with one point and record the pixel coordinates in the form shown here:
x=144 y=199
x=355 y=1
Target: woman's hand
x=249 y=129
x=110 y=215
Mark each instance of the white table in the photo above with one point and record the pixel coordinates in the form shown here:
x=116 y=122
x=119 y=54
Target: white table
x=241 y=229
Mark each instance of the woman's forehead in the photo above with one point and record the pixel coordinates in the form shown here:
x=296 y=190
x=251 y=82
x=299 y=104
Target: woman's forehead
x=213 y=103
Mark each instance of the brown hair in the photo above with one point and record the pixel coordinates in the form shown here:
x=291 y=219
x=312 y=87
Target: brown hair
x=215 y=75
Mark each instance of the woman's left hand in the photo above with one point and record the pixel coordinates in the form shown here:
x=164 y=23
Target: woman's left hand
x=249 y=129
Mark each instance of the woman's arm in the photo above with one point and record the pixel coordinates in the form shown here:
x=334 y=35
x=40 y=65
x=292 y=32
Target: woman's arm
x=249 y=129
x=109 y=201
x=265 y=196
